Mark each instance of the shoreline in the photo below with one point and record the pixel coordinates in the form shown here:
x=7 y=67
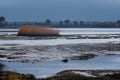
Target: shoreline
x=85 y=75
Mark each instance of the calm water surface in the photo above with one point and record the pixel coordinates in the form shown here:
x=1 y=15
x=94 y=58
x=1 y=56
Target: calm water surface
x=42 y=69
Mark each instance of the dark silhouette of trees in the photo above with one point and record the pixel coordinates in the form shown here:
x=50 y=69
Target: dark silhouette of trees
x=118 y=21
x=75 y=23
x=67 y=22
x=15 y=23
x=61 y=23
x=2 y=21
x=81 y=22
x=64 y=24
x=48 y=22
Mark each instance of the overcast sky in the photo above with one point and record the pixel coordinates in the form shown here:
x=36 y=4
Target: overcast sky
x=39 y=10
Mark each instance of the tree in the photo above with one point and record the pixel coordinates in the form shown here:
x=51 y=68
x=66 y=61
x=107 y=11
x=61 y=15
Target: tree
x=118 y=23
x=48 y=22
x=61 y=23
x=75 y=23
x=81 y=24
x=67 y=22
x=2 y=20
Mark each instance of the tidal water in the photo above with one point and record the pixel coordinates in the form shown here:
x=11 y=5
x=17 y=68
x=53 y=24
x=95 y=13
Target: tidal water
x=44 y=69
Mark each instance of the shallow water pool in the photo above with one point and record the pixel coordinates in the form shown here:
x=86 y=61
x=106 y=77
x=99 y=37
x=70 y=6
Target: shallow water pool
x=44 y=69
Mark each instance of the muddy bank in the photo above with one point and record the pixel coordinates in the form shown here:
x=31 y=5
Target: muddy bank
x=66 y=75
x=86 y=75
x=22 y=53
x=9 y=75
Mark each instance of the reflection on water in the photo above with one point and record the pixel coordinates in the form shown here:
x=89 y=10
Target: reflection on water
x=40 y=69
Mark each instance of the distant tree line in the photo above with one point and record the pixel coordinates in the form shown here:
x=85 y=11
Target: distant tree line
x=63 y=24
x=2 y=21
x=79 y=24
x=5 y=24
